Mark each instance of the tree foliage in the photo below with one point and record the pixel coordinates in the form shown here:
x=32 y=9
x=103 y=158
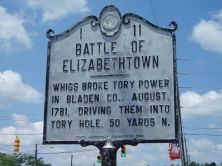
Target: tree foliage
x=199 y=164
x=205 y=164
x=20 y=160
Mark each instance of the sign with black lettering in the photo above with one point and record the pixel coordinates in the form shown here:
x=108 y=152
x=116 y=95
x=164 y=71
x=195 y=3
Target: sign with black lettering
x=110 y=77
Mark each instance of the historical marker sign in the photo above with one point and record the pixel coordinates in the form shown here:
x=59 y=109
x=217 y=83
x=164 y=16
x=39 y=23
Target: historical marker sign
x=111 y=77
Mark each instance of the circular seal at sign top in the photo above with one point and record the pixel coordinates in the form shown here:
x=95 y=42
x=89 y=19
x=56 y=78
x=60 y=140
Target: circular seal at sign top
x=110 y=21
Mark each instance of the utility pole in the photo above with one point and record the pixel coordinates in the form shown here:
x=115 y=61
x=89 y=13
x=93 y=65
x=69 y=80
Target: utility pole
x=179 y=119
x=185 y=144
x=36 y=153
x=71 y=159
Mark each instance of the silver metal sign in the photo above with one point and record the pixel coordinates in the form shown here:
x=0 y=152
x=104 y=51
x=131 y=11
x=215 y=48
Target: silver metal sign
x=111 y=77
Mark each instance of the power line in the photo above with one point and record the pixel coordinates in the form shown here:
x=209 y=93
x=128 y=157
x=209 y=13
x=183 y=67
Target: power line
x=45 y=146
x=6 y=149
x=60 y=152
x=28 y=145
x=201 y=73
x=181 y=73
x=182 y=59
x=203 y=128
x=3 y=117
x=216 y=74
x=203 y=134
x=23 y=134
x=77 y=151
x=199 y=87
x=203 y=107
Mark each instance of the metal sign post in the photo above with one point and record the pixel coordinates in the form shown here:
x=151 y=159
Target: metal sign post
x=110 y=81
x=108 y=152
x=108 y=156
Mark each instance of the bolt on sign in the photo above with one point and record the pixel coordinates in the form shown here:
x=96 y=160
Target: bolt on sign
x=111 y=77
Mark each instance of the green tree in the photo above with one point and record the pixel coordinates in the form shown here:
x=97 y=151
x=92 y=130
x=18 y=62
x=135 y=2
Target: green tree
x=205 y=164
x=194 y=164
x=17 y=160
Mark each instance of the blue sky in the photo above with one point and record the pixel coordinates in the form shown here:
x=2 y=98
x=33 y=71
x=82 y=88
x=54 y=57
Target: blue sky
x=23 y=53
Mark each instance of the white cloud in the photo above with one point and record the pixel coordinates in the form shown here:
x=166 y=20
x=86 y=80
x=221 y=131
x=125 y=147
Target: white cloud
x=208 y=33
x=196 y=154
x=218 y=15
x=12 y=88
x=204 y=150
x=202 y=143
x=219 y=147
x=12 y=30
x=208 y=104
x=22 y=125
x=53 y=10
x=20 y=119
